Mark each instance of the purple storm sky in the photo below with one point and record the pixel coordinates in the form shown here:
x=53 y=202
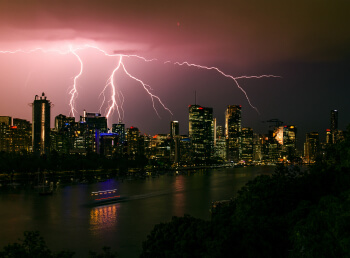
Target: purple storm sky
x=305 y=42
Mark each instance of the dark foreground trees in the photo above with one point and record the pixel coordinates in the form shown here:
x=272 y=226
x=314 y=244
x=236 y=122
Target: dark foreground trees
x=287 y=214
x=33 y=246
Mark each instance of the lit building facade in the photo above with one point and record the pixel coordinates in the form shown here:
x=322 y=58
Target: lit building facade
x=334 y=126
x=289 y=142
x=41 y=125
x=201 y=132
x=63 y=135
x=311 y=147
x=233 y=130
x=16 y=135
x=247 y=145
x=174 y=141
x=135 y=143
x=120 y=130
x=219 y=144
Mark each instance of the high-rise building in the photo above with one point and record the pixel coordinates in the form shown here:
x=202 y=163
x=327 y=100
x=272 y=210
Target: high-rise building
x=174 y=128
x=120 y=130
x=41 y=124
x=15 y=135
x=95 y=121
x=63 y=122
x=289 y=142
x=311 y=147
x=22 y=135
x=134 y=142
x=158 y=149
x=334 y=126
x=5 y=124
x=259 y=145
x=219 y=144
x=233 y=129
x=109 y=144
x=328 y=136
x=247 y=144
x=174 y=141
x=201 y=132
x=63 y=135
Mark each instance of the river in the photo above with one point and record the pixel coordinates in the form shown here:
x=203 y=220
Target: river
x=66 y=222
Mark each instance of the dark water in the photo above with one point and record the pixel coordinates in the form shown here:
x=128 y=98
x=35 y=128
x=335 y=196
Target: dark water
x=66 y=223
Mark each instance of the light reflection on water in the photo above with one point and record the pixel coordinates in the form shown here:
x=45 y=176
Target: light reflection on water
x=66 y=222
x=103 y=218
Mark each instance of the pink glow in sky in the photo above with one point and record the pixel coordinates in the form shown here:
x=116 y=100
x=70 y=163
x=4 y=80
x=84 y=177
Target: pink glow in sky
x=240 y=38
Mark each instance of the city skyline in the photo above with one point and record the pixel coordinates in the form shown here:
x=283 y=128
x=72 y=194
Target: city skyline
x=305 y=43
x=232 y=126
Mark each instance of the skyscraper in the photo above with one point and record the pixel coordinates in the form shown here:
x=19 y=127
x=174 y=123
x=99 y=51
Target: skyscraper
x=174 y=141
x=174 y=128
x=41 y=124
x=64 y=135
x=233 y=129
x=334 y=126
x=120 y=130
x=94 y=121
x=311 y=146
x=247 y=144
x=289 y=142
x=201 y=132
x=134 y=142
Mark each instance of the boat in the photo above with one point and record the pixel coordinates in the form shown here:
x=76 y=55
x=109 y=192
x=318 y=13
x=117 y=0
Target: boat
x=106 y=197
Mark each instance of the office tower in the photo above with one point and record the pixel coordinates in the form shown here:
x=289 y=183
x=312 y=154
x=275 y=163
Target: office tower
x=219 y=144
x=259 y=142
x=63 y=122
x=120 y=130
x=233 y=130
x=15 y=135
x=247 y=144
x=22 y=135
x=174 y=141
x=174 y=128
x=92 y=125
x=185 y=150
x=158 y=149
x=41 y=124
x=219 y=132
x=328 y=136
x=94 y=121
x=134 y=140
x=289 y=142
x=334 y=126
x=5 y=123
x=109 y=144
x=201 y=132
x=311 y=147
x=64 y=134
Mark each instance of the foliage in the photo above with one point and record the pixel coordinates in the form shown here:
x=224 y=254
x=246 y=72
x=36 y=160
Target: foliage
x=33 y=245
x=182 y=237
x=291 y=213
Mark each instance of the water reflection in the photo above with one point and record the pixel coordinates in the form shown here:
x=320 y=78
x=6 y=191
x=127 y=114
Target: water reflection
x=103 y=218
x=179 y=195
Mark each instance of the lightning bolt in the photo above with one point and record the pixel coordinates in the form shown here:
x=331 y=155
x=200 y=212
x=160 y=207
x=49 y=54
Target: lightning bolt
x=116 y=100
x=115 y=94
x=74 y=91
x=228 y=76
